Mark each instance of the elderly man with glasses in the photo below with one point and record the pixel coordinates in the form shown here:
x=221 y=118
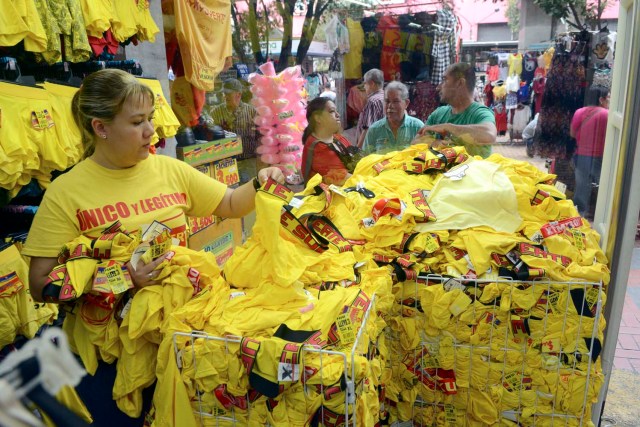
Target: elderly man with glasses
x=397 y=129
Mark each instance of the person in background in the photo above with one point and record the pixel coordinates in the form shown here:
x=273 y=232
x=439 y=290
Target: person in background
x=328 y=93
x=589 y=128
x=118 y=180
x=469 y=122
x=324 y=148
x=236 y=116
x=397 y=129
x=374 y=108
x=528 y=133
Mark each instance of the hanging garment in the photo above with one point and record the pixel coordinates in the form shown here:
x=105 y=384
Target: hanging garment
x=500 y=113
x=372 y=44
x=204 y=35
x=443 y=44
x=503 y=65
x=493 y=73
x=563 y=95
x=488 y=95
x=515 y=64
x=353 y=58
x=538 y=92
x=601 y=49
x=424 y=99
x=98 y=16
x=529 y=64
x=337 y=35
x=391 y=45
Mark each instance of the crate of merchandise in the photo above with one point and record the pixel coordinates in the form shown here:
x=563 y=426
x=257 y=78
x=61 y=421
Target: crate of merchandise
x=494 y=352
x=270 y=381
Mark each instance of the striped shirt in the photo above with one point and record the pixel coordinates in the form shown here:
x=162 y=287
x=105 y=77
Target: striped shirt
x=373 y=111
x=381 y=140
x=239 y=121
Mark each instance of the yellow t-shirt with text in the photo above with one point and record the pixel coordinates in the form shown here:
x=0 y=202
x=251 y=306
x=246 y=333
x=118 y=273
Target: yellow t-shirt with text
x=89 y=198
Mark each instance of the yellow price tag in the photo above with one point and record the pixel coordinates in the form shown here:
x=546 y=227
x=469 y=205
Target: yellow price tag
x=431 y=244
x=553 y=298
x=430 y=361
x=450 y=413
x=591 y=297
x=578 y=239
x=345 y=329
x=116 y=279
x=512 y=381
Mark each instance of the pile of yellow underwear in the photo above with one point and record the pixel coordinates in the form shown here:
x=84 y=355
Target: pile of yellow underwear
x=459 y=334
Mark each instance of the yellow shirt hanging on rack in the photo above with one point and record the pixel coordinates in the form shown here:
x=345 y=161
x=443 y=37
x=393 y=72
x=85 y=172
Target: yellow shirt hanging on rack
x=36 y=38
x=204 y=36
x=98 y=16
x=164 y=119
x=353 y=58
x=515 y=64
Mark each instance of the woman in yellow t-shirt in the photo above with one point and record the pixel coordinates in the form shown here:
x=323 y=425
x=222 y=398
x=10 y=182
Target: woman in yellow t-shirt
x=119 y=180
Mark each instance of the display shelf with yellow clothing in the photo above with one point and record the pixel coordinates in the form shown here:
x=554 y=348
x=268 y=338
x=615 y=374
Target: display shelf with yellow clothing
x=498 y=352
x=309 y=380
x=482 y=316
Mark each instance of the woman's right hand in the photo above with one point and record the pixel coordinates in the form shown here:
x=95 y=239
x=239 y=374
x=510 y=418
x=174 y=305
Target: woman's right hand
x=145 y=274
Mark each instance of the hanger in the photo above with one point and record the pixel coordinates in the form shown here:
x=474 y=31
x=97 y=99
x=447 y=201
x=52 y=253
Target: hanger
x=38 y=371
x=72 y=82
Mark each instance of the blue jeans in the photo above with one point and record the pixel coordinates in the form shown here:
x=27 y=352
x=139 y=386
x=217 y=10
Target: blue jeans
x=96 y=393
x=587 y=172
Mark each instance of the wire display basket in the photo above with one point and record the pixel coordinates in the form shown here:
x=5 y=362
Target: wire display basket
x=498 y=352
x=324 y=383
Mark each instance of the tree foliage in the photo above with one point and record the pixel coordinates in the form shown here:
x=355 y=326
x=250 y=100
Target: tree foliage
x=577 y=13
x=512 y=13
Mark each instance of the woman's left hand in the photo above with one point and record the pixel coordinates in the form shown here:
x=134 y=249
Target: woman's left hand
x=270 y=172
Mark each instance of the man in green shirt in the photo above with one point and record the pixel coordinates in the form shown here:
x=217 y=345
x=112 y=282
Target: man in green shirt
x=466 y=122
x=397 y=129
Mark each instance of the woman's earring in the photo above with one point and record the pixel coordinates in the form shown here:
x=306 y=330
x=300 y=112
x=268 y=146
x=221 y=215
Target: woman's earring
x=104 y=136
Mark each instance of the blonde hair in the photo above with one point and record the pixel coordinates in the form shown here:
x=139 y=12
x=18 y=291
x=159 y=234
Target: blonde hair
x=102 y=96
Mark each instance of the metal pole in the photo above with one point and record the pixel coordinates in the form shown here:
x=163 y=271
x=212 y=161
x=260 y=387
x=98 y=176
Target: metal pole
x=625 y=201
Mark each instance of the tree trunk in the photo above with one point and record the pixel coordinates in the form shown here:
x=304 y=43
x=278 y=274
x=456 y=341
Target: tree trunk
x=236 y=36
x=315 y=9
x=286 y=9
x=253 y=32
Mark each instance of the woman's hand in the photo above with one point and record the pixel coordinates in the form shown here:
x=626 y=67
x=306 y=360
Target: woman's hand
x=270 y=172
x=145 y=274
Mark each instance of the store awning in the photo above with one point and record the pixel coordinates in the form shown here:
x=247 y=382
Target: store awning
x=316 y=49
x=503 y=43
x=541 y=45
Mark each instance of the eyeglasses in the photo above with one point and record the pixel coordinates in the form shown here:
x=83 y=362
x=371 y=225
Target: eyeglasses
x=393 y=102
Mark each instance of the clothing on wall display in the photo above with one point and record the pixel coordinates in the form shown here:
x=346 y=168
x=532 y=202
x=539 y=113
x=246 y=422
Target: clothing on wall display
x=563 y=95
x=443 y=44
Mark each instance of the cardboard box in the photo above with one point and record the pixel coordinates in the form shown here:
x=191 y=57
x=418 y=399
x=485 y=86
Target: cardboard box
x=207 y=152
x=220 y=238
x=226 y=171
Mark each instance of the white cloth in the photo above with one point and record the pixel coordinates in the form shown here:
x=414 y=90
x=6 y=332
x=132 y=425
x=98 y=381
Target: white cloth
x=530 y=130
x=513 y=83
x=329 y=94
x=476 y=193
x=337 y=35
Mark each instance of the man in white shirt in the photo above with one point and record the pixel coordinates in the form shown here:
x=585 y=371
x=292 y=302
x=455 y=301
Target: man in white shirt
x=328 y=93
